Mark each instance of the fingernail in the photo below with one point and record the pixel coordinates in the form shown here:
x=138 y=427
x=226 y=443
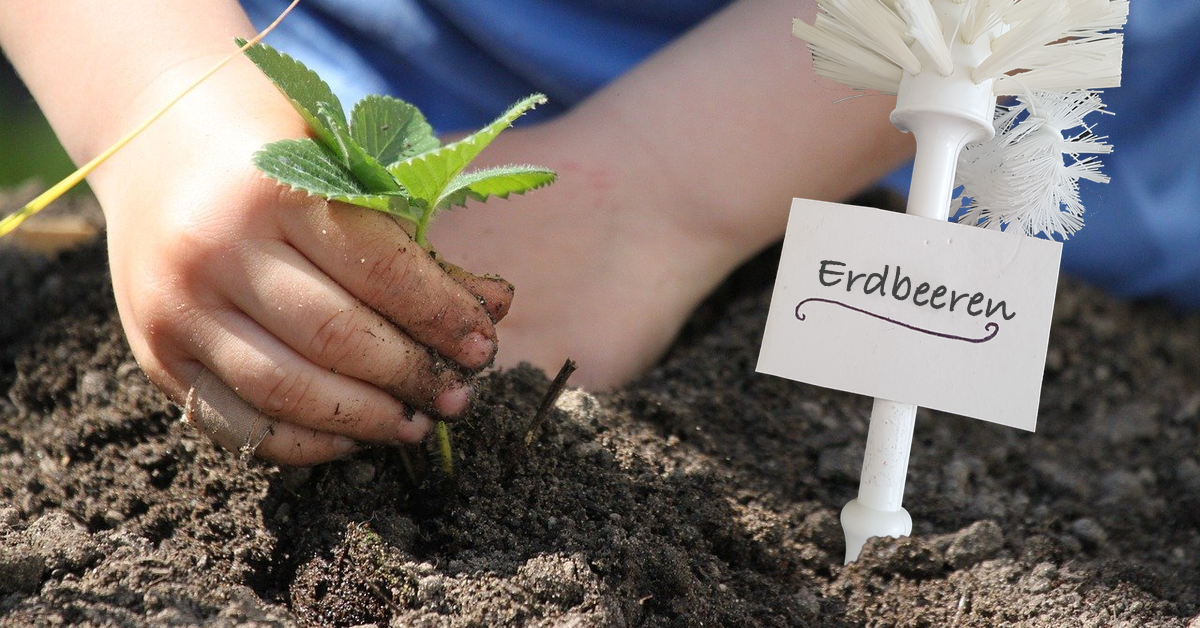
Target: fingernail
x=343 y=446
x=453 y=401
x=477 y=349
x=414 y=430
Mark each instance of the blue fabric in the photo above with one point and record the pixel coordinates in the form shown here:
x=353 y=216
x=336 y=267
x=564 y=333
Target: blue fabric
x=462 y=61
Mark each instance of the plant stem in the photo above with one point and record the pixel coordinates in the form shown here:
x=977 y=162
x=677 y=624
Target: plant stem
x=423 y=228
x=443 y=431
x=408 y=465
x=443 y=436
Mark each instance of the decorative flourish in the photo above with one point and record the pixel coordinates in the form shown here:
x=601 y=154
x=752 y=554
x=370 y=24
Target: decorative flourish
x=992 y=327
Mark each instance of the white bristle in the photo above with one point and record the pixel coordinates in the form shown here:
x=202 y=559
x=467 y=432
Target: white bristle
x=981 y=18
x=1009 y=48
x=926 y=28
x=1027 y=176
x=876 y=27
x=1062 y=45
x=843 y=59
x=1111 y=19
x=1092 y=63
x=1053 y=45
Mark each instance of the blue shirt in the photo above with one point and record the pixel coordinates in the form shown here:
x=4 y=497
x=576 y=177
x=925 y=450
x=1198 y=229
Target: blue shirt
x=462 y=61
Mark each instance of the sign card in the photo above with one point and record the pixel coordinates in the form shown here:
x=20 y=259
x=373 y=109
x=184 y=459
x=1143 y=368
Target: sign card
x=936 y=314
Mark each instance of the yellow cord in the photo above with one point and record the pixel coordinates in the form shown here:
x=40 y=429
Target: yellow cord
x=49 y=196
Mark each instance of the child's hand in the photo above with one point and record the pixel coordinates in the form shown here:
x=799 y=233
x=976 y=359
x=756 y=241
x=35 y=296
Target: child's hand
x=237 y=294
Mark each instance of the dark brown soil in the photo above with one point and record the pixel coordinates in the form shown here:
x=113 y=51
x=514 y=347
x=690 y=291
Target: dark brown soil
x=701 y=495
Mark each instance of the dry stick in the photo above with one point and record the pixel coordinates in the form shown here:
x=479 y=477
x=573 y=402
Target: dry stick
x=552 y=394
x=539 y=417
x=75 y=178
x=386 y=599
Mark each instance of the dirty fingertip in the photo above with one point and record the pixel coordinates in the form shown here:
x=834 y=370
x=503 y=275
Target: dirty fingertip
x=414 y=429
x=343 y=446
x=453 y=401
x=476 y=350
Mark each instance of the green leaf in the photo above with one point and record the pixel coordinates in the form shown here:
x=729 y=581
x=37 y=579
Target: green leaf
x=303 y=88
x=427 y=175
x=502 y=181
x=373 y=176
x=308 y=166
x=391 y=130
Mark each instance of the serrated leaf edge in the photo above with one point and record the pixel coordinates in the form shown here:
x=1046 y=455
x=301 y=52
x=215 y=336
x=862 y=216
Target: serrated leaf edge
x=494 y=128
x=446 y=200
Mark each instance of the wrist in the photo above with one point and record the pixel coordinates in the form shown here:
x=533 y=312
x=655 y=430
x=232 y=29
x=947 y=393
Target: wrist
x=216 y=126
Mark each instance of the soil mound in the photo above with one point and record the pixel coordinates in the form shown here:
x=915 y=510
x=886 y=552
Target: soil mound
x=700 y=495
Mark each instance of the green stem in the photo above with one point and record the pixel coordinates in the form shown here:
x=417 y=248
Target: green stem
x=409 y=468
x=443 y=436
x=443 y=431
x=423 y=228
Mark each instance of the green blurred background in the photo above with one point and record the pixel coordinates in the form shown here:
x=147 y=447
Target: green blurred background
x=28 y=148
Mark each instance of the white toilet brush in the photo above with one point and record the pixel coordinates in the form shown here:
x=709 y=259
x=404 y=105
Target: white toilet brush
x=947 y=61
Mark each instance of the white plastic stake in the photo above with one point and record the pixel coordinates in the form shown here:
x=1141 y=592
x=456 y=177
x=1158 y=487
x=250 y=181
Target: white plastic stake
x=944 y=114
x=878 y=510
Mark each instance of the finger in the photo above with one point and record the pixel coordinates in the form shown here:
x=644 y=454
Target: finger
x=309 y=312
x=375 y=260
x=494 y=293
x=283 y=384
x=218 y=413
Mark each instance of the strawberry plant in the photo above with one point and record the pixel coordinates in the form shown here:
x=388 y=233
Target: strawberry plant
x=385 y=157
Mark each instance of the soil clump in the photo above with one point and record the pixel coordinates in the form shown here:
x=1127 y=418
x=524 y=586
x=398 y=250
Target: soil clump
x=702 y=494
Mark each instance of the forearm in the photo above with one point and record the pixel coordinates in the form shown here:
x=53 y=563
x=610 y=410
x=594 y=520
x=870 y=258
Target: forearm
x=86 y=61
x=730 y=122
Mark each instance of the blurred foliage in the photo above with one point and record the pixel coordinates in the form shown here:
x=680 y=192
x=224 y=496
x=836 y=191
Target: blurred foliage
x=28 y=148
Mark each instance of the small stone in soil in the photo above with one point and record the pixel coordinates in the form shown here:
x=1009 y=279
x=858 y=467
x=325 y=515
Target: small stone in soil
x=978 y=542
x=359 y=473
x=1090 y=532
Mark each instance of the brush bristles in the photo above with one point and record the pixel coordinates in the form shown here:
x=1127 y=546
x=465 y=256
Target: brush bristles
x=1053 y=45
x=927 y=30
x=846 y=61
x=981 y=18
x=1060 y=67
x=1057 y=45
x=1027 y=177
x=1024 y=37
x=874 y=27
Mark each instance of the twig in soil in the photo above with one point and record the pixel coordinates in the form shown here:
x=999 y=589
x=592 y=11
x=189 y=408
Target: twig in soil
x=552 y=394
x=386 y=599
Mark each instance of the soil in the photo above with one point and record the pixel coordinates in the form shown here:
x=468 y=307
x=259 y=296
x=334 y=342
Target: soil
x=702 y=494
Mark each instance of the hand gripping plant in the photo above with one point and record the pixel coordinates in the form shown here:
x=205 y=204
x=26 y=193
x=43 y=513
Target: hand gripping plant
x=384 y=158
x=947 y=61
